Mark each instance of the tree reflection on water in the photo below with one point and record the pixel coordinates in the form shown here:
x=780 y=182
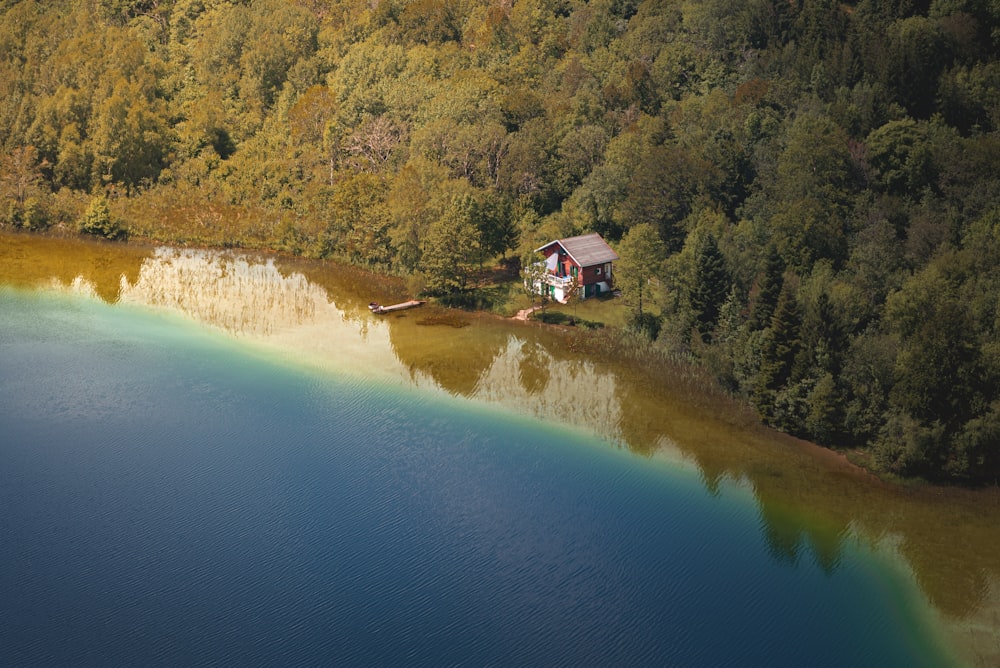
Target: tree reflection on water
x=810 y=501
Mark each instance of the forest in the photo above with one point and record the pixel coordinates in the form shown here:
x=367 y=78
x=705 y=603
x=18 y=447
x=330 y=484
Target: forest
x=807 y=190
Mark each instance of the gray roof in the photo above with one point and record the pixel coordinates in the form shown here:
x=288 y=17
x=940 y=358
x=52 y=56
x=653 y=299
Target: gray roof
x=586 y=250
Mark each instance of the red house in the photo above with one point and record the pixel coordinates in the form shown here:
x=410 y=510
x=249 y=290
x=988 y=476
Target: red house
x=587 y=259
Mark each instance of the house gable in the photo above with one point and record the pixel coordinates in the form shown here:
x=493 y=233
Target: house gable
x=585 y=251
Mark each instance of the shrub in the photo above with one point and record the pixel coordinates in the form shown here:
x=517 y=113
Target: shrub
x=646 y=324
x=97 y=220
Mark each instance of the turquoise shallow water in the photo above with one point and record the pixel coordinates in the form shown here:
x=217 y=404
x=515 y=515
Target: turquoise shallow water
x=170 y=497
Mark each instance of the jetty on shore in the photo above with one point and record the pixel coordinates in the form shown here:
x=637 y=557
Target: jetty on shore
x=377 y=308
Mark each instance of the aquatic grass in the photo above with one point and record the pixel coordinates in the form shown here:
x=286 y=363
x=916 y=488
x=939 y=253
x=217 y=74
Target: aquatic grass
x=446 y=318
x=688 y=380
x=168 y=217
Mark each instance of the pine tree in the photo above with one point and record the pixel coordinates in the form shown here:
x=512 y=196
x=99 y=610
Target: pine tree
x=768 y=289
x=825 y=412
x=711 y=284
x=822 y=341
x=97 y=219
x=780 y=349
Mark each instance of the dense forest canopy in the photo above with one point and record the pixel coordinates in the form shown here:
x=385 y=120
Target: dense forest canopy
x=814 y=184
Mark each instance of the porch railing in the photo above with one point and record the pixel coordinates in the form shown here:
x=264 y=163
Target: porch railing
x=558 y=281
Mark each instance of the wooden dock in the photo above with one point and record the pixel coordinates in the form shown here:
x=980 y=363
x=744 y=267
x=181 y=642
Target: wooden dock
x=377 y=308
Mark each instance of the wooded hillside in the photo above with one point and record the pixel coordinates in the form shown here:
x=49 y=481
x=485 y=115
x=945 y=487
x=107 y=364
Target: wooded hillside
x=814 y=184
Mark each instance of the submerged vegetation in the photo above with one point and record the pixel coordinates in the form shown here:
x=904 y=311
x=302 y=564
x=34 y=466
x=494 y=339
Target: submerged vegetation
x=810 y=192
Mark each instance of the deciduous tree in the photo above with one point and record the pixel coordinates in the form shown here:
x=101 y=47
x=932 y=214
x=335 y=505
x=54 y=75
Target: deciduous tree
x=662 y=192
x=449 y=259
x=641 y=255
x=21 y=183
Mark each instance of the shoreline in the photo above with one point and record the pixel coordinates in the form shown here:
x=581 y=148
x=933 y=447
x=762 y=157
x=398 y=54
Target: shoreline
x=739 y=415
x=814 y=493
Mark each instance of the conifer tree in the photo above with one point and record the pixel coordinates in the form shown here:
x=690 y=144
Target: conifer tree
x=711 y=284
x=97 y=219
x=822 y=339
x=768 y=289
x=781 y=347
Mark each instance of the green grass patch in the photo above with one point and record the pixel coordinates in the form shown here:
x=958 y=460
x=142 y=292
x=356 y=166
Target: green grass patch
x=449 y=319
x=602 y=311
x=559 y=318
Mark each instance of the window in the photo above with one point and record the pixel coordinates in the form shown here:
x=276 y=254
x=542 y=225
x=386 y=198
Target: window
x=598 y=271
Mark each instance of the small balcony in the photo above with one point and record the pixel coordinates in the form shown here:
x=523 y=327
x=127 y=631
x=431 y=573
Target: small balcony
x=558 y=281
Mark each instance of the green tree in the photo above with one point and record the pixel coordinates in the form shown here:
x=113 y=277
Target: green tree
x=97 y=220
x=578 y=152
x=825 y=417
x=815 y=177
x=495 y=230
x=711 y=285
x=528 y=172
x=641 y=255
x=280 y=35
x=533 y=275
x=781 y=347
x=767 y=289
x=360 y=81
x=970 y=97
x=662 y=192
x=718 y=132
x=867 y=377
x=899 y=155
x=976 y=448
x=448 y=260
x=413 y=209
x=939 y=373
x=21 y=185
x=359 y=221
x=823 y=340
x=604 y=189
x=431 y=21
x=311 y=115
x=874 y=270
x=129 y=136
x=917 y=52
x=938 y=363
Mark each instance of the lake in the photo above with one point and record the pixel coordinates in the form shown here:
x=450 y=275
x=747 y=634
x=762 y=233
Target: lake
x=222 y=458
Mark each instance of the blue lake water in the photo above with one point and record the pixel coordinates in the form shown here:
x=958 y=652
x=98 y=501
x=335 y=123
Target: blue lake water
x=170 y=496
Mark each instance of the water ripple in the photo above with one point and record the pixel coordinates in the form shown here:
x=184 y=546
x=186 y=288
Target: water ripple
x=201 y=506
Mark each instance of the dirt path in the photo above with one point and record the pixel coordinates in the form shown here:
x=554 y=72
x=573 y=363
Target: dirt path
x=525 y=312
